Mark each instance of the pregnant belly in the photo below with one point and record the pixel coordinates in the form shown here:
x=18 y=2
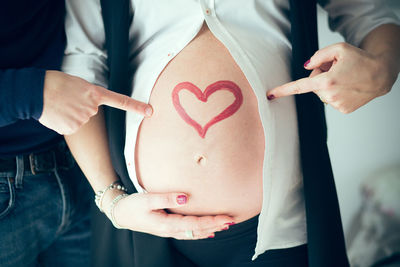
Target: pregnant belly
x=205 y=137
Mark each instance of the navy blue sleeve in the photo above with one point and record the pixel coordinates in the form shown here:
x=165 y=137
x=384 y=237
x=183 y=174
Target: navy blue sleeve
x=21 y=94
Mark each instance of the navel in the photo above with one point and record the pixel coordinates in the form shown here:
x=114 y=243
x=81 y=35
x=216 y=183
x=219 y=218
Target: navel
x=200 y=159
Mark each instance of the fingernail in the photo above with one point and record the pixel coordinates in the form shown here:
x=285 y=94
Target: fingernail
x=181 y=199
x=270 y=97
x=225 y=228
x=148 y=111
x=211 y=236
x=230 y=223
x=306 y=63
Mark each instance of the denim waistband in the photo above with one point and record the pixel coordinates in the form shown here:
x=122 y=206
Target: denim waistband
x=57 y=157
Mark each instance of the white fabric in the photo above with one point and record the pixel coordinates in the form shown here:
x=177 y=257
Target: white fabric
x=256 y=33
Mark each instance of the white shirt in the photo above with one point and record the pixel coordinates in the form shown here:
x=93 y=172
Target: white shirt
x=257 y=34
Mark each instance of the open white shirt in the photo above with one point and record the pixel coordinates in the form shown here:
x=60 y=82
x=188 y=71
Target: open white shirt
x=257 y=35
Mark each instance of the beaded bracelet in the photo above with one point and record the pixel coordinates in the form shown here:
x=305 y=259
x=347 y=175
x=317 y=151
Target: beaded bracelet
x=112 y=205
x=98 y=198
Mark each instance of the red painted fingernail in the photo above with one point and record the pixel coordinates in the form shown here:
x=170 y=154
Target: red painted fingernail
x=270 y=97
x=211 y=236
x=306 y=63
x=181 y=199
x=230 y=223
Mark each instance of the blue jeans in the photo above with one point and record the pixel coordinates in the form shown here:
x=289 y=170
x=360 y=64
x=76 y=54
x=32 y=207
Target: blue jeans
x=44 y=219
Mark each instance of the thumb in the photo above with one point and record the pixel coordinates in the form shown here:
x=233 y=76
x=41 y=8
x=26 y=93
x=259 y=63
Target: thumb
x=315 y=72
x=321 y=57
x=156 y=201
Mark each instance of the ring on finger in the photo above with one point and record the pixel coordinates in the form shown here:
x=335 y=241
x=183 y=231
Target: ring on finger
x=189 y=234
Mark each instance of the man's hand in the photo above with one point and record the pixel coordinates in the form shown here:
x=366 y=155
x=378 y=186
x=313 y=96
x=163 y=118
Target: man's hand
x=144 y=212
x=344 y=76
x=69 y=102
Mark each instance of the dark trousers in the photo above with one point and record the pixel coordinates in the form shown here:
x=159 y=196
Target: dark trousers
x=235 y=248
x=230 y=248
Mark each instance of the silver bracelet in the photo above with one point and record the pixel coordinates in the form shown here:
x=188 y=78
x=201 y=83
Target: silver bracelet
x=112 y=205
x=98 y=198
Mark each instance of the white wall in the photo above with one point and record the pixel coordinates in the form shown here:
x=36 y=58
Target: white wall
x=363 y=141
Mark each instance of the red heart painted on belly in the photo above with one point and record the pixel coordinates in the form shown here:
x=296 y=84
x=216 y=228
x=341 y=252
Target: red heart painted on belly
x=212 y=88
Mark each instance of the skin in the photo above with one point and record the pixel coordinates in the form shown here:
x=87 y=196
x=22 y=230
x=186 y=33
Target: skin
x=148 y=212
x=222 y=172
x=203 y=96
x=347 y=77
x=138 y=212
x=69 y=102
x=378 y=54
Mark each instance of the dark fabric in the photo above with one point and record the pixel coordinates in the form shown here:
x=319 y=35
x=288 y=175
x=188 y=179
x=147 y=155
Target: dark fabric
x=57 y=156
x=32 y=40
x=16 y=104
x=325 y=234
x=235 y=248
x=326 y=246
x=116 y=23
x=132 y=247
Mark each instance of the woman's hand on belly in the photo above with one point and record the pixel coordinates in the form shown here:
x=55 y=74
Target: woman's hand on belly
x=205 y=137
x=144 y=212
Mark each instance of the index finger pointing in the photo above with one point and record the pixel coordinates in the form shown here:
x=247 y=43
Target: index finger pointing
x=124 y=102
x=300 y=86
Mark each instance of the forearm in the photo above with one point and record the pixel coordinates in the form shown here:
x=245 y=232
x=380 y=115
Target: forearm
x=384 y=42
x=90 y=148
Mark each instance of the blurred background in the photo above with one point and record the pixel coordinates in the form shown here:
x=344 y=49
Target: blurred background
x=364 y=148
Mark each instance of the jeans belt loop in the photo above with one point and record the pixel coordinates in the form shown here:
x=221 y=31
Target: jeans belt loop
x=36 y=163
x=19 y=172
x=32 y=163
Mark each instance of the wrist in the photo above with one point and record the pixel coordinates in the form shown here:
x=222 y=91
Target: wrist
x=389 y=69
x=382 y=43
x=104 y=197
x=113 y=204
x=108 y=198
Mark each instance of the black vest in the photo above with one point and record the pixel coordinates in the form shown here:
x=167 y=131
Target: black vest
x=326 y=245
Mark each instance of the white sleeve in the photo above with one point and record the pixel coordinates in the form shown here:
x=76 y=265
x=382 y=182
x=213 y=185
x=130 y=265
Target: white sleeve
x=85 y=54
x=354 y=19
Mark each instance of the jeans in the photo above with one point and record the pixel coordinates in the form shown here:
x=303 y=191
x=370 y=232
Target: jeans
x=44 y=218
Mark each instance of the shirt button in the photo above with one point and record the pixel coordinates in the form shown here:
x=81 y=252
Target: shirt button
x=208 y=11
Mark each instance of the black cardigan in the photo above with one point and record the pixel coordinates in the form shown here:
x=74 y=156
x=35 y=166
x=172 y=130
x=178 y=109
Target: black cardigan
x=326 y=245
